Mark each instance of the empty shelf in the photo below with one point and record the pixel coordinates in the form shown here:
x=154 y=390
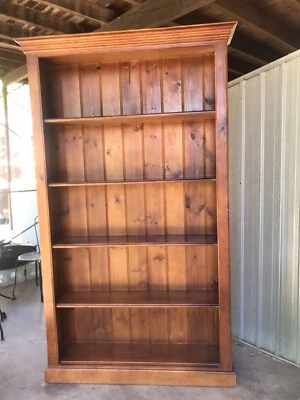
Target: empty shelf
x=142 y=299
x=129 y=182
x=141 y=353
x=135 y=241
x=129 y=119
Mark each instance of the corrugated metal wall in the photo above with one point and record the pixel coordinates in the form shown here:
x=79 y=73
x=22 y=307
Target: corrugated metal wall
x=264 y=153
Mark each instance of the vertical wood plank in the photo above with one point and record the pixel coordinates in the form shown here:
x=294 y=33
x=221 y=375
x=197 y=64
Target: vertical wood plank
x=90 y=90
x=151 y=87
x=134 y=169
x=130 y=84
x=210 y=87
x=202 y=268
x=110 y=88
x=121 y=325
x=153 y=151
x=200 y=207
x=73 y=154
x=193 y=85
x=93 y=153
x=174 y=194
x=116 y=210
x=70 y=92
x=177 y=281
x=209 y=149
x=115 y=170
x=75 y=211
x=74 y=269
x=138 y=280
x=157 y=268
x=154 y=194
x=155 y=214
x=99 y=269
x=139 y=320
x=194 y=150
x=118 y=268
x=113 y=153
x=173 y=150
x=158 y=317
x=222 y=203
x=101 y=325
x=172 y=85
x=137 y=268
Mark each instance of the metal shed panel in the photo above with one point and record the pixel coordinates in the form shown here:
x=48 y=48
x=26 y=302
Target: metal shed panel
x=264 y=156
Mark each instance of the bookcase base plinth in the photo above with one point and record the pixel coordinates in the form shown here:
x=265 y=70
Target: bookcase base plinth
x=114 y=376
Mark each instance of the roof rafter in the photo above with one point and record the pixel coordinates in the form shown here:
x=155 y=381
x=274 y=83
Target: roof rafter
x=96 y=13
x=42 y=21
x=242 y=44
x=13 y=30
x=240 y=66
x=14 y=76
x=260 y=19
x=153 y=13
x=11 y=56
x=11 y=47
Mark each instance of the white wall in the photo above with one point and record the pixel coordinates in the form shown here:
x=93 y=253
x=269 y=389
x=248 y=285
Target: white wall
x=264 y=152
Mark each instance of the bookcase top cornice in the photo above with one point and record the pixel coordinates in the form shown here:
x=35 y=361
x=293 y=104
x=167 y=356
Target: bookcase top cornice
x=130 y=40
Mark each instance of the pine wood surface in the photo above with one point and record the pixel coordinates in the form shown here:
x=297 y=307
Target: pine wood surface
x=126 y=353
x=132 y=184
x=137 y=298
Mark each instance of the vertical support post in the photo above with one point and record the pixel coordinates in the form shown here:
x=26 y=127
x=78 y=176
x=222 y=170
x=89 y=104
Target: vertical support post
x=34 y=77
x=222 y=204
x=7 y=145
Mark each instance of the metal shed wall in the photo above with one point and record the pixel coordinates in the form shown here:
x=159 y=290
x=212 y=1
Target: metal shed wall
x=264 y=165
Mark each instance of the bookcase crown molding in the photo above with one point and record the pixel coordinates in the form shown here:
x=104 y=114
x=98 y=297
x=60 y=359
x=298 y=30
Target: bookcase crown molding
x=122 y=41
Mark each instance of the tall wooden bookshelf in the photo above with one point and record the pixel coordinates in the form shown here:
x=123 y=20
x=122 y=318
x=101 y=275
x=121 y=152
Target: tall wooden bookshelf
x=130 y=135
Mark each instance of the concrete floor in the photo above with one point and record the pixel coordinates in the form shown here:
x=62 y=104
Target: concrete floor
x=23 y=360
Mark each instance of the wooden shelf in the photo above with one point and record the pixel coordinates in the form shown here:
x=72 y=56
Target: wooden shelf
x=141 y=353
x=104 y=241
x=137 y=118
x=128 y=182
x=142 y=299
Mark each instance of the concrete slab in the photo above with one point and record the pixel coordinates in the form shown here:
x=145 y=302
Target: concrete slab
x=23 y=360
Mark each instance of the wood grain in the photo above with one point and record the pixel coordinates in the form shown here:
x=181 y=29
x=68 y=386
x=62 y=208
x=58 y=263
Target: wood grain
x=132 y=170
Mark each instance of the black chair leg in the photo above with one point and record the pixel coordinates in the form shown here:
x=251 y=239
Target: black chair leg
x=36 y=274
x=2 y=318
x=41 y=281
x=1 y=332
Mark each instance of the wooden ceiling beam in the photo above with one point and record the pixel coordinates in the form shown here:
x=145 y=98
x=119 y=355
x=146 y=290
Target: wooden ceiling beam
x=18 y=58
x=14 y=30
x=26 y=15
x=96 y=13
x=153 y=13
x=240 y=66
x=16 y=75
x=261 y=20
x=11 y=47
x=245 y=45
x=240 y=42
x=134 y=2
x=8 y=65
x=233 y=75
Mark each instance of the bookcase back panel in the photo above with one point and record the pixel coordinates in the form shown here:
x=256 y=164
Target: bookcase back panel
x=180 y=208
x=131 y=325
x=143 y=151
x=133 y=87
x=137 y=268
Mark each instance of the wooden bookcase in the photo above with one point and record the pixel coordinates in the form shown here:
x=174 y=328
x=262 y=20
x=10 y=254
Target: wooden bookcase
x=131 y=152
